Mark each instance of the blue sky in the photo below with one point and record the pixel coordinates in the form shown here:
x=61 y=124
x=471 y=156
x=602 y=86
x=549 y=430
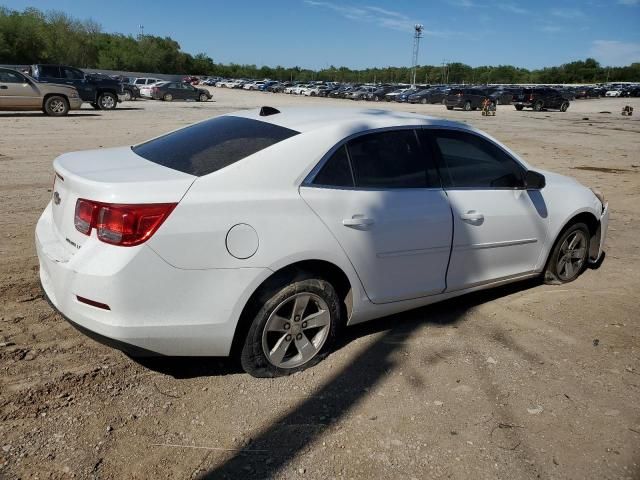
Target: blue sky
x=358 y=34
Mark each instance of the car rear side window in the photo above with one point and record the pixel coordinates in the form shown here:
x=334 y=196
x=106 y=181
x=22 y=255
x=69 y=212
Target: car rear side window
x=468 y=161
x=211 y=145
x=336 y=172
x=391 y=159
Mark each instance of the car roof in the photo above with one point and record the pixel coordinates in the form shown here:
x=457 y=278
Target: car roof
x=304 y=119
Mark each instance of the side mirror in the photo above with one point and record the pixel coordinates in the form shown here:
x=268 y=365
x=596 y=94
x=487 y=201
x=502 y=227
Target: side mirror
x=534 y=180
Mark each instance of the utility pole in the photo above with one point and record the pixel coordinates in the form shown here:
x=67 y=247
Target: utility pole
x=417 y=35
x=141 y=33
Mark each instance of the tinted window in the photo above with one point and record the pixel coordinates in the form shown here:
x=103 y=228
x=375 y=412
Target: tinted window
x=469 y=161
x=388 y=160
x=72 y=74
x=213 y=144
x=7 y=76
x=336 y=172
x=49 y=71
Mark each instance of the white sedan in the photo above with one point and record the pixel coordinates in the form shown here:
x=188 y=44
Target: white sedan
x=261 y=233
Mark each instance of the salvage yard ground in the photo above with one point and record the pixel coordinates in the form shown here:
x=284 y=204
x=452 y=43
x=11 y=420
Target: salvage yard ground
x=527 y=381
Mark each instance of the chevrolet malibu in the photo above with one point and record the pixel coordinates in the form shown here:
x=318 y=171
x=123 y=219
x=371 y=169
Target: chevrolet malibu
x=260 y=234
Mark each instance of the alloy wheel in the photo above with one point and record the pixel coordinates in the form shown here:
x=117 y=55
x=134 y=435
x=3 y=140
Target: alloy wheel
x=296 y=330
x=573 y=253
x=57 y=106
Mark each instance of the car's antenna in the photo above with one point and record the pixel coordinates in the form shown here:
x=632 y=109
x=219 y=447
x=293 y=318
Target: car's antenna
x=266 y=111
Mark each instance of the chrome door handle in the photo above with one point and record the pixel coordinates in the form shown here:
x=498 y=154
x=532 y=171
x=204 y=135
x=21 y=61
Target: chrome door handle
x=472 y=216
x=358 y=221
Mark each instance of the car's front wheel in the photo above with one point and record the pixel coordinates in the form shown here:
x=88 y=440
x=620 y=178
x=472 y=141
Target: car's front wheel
x=56 y=106
x=293 y=328
x=569 y=255
x=564 y=107
x=203 y=97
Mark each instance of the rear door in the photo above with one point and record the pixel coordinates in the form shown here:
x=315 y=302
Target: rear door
x=499 y=226
x=76 y=78
x=17 y=92
x=380 y=196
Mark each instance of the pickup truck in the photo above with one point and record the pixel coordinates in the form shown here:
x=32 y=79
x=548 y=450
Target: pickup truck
x=102 y=92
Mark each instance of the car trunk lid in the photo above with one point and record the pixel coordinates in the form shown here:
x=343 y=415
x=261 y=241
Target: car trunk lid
x=115 y=176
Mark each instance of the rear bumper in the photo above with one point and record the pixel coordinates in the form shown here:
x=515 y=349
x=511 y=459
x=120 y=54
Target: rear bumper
x=154 y=308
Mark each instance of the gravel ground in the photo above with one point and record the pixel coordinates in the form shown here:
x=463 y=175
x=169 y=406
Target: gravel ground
x=525 y=381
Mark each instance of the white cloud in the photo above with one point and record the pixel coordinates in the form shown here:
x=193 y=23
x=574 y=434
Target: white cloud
x=380 y=17
x=512 y=8
x=568 y=13
x=629 y=2
x=615 y=53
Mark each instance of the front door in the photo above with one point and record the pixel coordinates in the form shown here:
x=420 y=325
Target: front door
x=380 y=197
x=17 y=92
x=499 y=226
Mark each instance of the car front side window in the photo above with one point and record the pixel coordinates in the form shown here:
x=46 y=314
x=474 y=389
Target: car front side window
x=469 y=161
x=11 y=77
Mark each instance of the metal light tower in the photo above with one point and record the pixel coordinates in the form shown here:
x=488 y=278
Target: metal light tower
x=141 y=31
x=417 y=35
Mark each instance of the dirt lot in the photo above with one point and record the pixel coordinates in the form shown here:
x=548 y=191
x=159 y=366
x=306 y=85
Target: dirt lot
x=528 y=381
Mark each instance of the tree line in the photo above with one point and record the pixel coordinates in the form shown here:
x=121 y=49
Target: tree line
x=33 y=36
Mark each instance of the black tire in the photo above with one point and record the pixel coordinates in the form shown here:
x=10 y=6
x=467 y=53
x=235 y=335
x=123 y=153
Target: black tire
x=107 y=101
x=253 y=358
x=564 y=107
x=203 y=97
x=423 y=101
x=553 y=274
x=467 y=106
x=449 y=108
x=519 y=107
x=167 y=97
x=376 y=98
x=537 y=107
x=56 y=106
x=128 y=96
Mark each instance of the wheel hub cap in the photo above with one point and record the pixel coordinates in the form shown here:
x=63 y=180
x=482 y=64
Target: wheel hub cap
x=573 y=253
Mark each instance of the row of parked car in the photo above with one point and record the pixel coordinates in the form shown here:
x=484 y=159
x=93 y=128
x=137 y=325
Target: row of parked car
x=467 y=97
x=57 y=89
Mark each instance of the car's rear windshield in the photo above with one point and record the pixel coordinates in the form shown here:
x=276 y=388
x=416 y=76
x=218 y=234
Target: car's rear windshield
x=211 y=145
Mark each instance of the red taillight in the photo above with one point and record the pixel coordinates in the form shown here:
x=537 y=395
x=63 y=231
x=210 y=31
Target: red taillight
x=531 y=98
x=124 y=225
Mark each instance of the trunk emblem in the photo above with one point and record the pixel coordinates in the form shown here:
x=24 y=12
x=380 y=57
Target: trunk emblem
x=56 y=198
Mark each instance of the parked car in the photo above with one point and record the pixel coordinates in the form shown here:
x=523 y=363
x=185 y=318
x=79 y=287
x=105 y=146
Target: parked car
x=253 y=85
x=404 y=96
x=21 y=92
x=465 y=98
x=391 y=96
x=421 y=96
x=379 y=93
x=613 y=93
x=502 y=95
x=540 y=98
x=191 y=80
x=142 y=81
x=314 y=90
x=131 y=91
x=160 y=249
x=101 y=92
x=146 y=91
x=170 y=91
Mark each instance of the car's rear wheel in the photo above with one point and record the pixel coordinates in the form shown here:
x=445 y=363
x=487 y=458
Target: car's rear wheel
x=127 y=96
x=537 y=106
x=56 y=106
x=569 y=255
x=467 y=106
x=203 y=97
x=423 y=101
x=293 y=328
x=107 y=101
x=449 y=108
x=564 y=107
x=167 y=97
x=519 y=107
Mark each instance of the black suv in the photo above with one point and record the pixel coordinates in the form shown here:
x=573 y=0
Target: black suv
x=465 y=98
x=102 y=92
x=540 y=98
